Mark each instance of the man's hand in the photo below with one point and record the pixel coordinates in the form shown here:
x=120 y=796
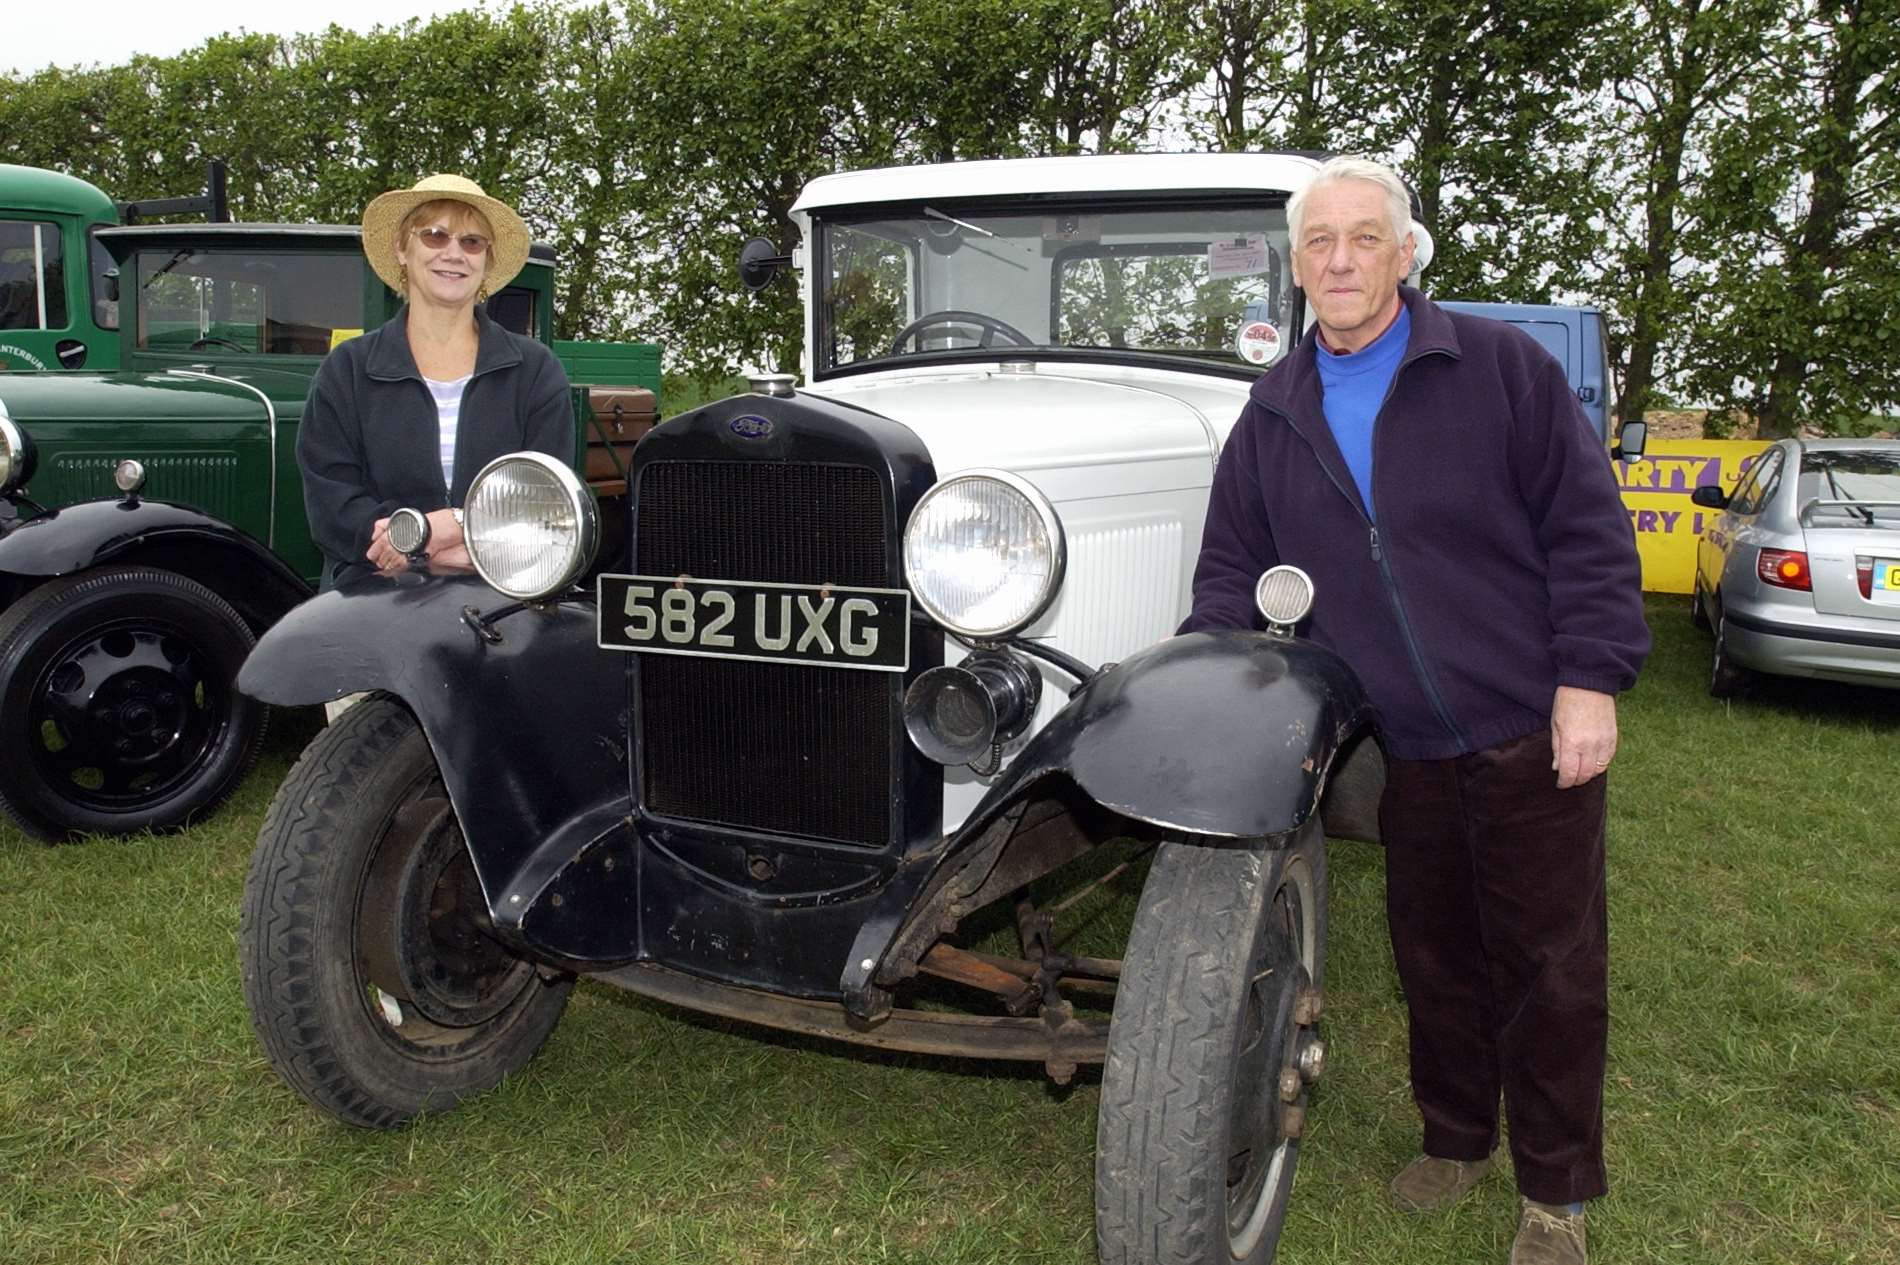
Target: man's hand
x=1582 y=734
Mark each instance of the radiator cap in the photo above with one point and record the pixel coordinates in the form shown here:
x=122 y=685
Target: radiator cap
x=779 y=384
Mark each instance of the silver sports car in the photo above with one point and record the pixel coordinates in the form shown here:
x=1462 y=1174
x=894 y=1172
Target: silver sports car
x=1800 y=573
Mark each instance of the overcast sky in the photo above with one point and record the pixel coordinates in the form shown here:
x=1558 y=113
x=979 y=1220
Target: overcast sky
x=40 y=34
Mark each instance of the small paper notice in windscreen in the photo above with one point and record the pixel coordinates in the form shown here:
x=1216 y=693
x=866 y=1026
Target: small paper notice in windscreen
x=1242 y=256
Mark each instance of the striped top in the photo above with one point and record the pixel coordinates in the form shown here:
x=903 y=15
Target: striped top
x=448 y=408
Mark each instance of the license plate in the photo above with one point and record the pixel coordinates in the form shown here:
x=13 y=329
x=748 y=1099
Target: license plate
x=827 y=626
x=1887 y=576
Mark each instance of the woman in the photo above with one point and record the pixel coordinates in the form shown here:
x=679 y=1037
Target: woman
x=407 y=414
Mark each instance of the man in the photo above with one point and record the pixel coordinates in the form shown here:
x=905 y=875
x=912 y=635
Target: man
x=1474 y=565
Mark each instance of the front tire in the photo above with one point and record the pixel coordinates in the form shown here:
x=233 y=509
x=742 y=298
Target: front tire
x=1215 y=1019
x=372 y=980
x=119 y=709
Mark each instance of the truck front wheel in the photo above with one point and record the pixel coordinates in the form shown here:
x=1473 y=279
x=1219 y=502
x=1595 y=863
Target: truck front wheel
x=118 y=705
x=373 y=980
x=1211 y=1053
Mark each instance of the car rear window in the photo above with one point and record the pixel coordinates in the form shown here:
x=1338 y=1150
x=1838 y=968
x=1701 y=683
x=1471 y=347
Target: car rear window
x=1851 y=486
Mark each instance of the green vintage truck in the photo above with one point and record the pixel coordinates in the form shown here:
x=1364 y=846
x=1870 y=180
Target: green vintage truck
x=151 y=512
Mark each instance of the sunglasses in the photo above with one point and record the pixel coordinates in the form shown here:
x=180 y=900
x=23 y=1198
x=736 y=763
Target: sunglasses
x=435 y=237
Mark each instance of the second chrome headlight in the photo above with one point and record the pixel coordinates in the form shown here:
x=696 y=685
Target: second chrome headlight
x=984 y=553
x=530 y=525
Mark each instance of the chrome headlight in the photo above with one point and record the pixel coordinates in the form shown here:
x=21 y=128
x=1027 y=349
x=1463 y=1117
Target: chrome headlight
x=16 y=455
x=984 y=553
x=530 y=525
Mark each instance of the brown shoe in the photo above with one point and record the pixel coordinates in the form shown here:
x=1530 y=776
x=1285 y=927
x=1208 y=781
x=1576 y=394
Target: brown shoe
x=1429 y=1183
x=1548 y=1234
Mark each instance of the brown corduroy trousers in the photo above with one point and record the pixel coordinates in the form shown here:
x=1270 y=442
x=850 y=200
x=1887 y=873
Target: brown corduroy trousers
x=1495 y=900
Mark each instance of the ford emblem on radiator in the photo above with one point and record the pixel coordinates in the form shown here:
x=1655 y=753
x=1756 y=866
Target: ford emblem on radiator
x=751 y=426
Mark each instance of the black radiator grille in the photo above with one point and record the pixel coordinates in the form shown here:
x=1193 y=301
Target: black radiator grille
x=783 y=747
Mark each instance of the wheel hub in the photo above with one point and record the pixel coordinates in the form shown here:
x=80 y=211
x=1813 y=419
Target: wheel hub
x=425 y=929
x=122 y=712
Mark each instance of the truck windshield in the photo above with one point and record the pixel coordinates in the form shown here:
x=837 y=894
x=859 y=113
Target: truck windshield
x=276 y=302
x=1188 y=280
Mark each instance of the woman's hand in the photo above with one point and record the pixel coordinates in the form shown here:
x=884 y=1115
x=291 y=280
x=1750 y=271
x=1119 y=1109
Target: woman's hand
x=445 y=534
x=445 y=544
x=381 y=554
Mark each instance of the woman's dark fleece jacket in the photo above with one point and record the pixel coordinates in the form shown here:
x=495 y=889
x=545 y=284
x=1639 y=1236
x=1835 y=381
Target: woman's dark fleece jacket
x=1502 y=565
x=369 y=442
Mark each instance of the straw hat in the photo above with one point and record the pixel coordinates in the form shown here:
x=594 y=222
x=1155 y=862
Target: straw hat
x=383 y=217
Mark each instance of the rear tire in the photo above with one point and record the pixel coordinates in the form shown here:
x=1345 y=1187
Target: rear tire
x=1726 y=679
x=1197 y=1140
x=1699 y=607
x=373 y=983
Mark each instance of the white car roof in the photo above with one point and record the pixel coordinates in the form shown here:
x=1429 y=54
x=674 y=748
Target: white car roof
x=1082 y=173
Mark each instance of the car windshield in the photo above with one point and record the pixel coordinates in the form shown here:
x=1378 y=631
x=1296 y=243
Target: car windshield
x=281 y=302
x=1187 y=280
x=1851 y=488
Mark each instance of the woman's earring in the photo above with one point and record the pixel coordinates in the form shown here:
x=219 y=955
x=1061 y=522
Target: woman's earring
x=481 y=293
x=402 y=280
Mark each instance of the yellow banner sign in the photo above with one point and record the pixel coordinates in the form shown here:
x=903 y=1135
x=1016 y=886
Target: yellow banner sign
x=1656 y=494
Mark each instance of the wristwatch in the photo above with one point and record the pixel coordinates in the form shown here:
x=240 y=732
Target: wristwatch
x=455 y=512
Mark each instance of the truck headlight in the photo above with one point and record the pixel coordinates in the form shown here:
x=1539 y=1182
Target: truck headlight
x=16 y=455
x=530 y=525
x=984 y=553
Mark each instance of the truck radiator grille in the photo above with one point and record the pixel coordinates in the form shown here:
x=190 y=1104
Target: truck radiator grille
x=787 y=748
x=206 y=480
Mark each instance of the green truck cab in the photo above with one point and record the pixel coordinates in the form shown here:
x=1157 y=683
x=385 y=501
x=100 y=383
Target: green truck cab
x=151 y=516
x=53 y=310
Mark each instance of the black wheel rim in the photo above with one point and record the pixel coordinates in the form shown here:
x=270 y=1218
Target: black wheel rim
x=429 y=972
x=124 y=715
x=1260 y=1154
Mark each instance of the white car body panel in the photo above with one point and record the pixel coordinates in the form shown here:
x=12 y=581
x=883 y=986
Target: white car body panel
x=1125 y=451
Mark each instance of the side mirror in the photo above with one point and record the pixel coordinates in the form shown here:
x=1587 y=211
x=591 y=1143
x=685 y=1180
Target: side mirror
x=759 y=262
x=111 y=277
x=1709 y=497
x=1630 y=442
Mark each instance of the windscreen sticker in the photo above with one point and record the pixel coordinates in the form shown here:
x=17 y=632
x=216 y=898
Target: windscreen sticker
x=1258 y=343
x=1244 y=256
x=1072 y=228
x=340 y=336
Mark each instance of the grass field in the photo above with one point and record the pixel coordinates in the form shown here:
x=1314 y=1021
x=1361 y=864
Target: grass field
x=1753 y=1103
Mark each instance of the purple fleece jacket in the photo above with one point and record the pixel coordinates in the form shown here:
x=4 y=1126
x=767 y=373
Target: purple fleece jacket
x=1502 y=566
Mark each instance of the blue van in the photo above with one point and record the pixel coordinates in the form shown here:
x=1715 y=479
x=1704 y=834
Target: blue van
x=1574 y=335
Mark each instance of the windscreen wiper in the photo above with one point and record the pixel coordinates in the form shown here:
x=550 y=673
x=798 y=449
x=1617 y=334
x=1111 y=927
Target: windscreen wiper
x=1827 y=469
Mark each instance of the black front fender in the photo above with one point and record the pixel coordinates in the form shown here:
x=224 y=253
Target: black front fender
x=224 y=558
x=1228 y=734
x=529 y=732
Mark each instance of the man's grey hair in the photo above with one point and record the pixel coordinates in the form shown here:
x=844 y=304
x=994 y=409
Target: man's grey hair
x=1398 y=199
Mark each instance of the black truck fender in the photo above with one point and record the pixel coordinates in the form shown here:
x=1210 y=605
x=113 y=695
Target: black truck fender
x=225 y=559
x=536 y=789
x=1227 y=737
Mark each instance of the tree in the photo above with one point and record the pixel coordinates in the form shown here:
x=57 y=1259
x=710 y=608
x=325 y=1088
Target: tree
x=1693 y=60
x=1796 y=327
x=1483 y=103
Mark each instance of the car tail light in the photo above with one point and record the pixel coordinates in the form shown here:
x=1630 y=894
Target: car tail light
x=1785 y=569
x=1864 y=576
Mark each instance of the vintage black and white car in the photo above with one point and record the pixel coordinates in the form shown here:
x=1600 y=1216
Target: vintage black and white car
x=887 y=651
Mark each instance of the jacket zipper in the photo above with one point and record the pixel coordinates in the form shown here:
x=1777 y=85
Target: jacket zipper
x=1425 y=681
